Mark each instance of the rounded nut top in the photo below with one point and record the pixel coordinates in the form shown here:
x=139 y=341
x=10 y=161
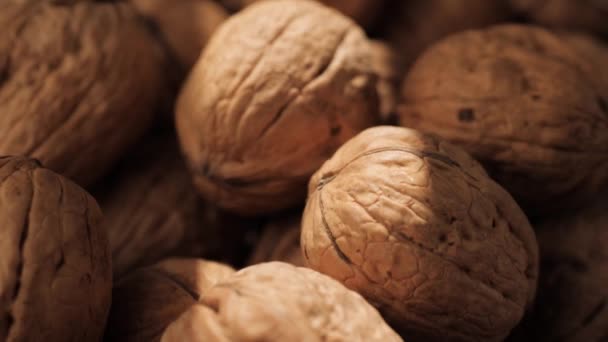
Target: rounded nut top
x=278 y=88
x=418 y=228
x=55 y=262
x=280 y=302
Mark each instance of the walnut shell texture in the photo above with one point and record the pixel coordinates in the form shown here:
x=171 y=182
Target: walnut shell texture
x=289 y=83
x=149 y=299
x=573 y=297
x=280 y=241
x=585 y=15
x=78 y=83
x=493 y=92
x=280 y=302
x=186 y=25
x=417 y=227
x=55 y=261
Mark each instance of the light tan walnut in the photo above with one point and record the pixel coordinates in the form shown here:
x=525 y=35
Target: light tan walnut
x=527 y=103
x=417 y=227
x=280 y=241
x=54 y=258
x=279 y=87
x=147 y=300
x=279 y=302
x=186 y=25
x=78 y=83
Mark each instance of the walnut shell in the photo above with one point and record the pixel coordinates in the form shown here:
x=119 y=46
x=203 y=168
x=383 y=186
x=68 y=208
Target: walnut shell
x=280 y=241
x=186 y=25
x=573 y=297
x=586 y=15
x=525 y=103
x=385 y=61
x=149 y=299
x=280 y=302
x=56 y=267
x=78 y=83
x=417 y=227
x=270 y=76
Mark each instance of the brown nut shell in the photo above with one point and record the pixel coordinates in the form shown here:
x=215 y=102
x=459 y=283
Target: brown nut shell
x=278 y=88
x=417 y=227
x=525 y=102
x=280 y=241
x=149 y=299
x=54 y=257
x=78 y=83
x=280 y=302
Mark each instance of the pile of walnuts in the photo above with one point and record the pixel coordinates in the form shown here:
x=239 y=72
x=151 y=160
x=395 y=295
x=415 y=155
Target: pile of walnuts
x=303 y=170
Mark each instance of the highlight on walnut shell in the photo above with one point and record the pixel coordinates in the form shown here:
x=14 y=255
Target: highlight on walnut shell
x=147 y=300
x=79 y=83
x=186 y=25
x=279 y=302
x=280 y=241
x=585 y=15
x=56 y=267
x=417 y=227
x=527 y=103
x=279 y=87
x=572 y=294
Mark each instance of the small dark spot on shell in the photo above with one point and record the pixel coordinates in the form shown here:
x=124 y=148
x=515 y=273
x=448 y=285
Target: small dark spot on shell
x=442 y=238
x=466 y=115
x=536 y=97
x=603 y=104
x=335 y=130
x=493 y=223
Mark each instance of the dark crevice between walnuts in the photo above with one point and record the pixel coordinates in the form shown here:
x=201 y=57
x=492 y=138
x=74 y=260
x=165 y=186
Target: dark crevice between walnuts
x=182 y=285
x=329 y=233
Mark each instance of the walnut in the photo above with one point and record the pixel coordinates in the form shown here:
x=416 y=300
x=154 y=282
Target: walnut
x=146 y=301
x=78 y=83
x=586 y=15
x=280 y=241
x=56 y=267
x=385 y=61
x=573 y=298
x=186 y=25
x=278 y=88
x=152 y=211
x=417 y=227
x=279 y=302
x=525 y=102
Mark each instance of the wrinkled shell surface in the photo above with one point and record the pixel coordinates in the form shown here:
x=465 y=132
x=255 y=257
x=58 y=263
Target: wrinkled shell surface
x=278 y=88
x=149 y=299
x=416 y=226
x=280 y=241
x=587 y=15
x=153 y=211
x=280 y=302
x=78 y=84
x=186 y=25
x=54 y=259
x=573 y=294
x=526 y=103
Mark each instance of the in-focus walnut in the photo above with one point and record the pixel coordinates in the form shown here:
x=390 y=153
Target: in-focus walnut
x=279 y=302
x=586 y=15
x=525 y=102
x=280 y=241
x=186 y=25
x=146 y=301
x=572 y=303
x=416 y=24
x=78 y=83
x=152 y=211
x=55 y=261
x=279 y=87
x=417 y=227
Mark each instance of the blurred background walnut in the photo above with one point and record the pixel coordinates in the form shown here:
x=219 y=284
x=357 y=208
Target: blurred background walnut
x=279 y=87
x=56 y=267
x=417 y=227
x=279 y=302
x=146 y=301
x=280 y=241
x=530 y=105
x=78 y=83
